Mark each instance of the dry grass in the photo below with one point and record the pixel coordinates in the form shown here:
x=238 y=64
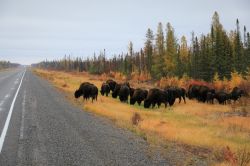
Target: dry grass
x=195 y=124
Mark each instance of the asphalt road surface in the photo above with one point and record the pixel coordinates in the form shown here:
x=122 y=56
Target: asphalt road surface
x=38 y=126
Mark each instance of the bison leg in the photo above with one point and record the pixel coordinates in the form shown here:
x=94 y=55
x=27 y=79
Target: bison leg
x=153 y=105
x=159 y=104
x=184 y=99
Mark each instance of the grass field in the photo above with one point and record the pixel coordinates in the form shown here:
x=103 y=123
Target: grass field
x=198 y=129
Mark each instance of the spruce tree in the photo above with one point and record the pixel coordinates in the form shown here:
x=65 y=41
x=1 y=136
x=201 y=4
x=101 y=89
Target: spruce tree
x=148 y=49
x=238 y=50
x=171 y=51
x=158 y=62
x=183 y=56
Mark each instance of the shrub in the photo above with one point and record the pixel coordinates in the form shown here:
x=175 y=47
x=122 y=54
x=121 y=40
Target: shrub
x=229 y=156
x=136 y=118
x=236 y=80
x=169 y=81
x=220 y=84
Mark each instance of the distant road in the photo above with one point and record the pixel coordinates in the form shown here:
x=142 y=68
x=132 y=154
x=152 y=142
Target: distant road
x=39 y=127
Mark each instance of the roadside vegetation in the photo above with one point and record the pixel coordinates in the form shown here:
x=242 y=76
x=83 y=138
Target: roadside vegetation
x=6 y=65
x=219 y=134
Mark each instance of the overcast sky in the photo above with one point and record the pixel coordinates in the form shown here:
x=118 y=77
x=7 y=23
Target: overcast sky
x=35 y=30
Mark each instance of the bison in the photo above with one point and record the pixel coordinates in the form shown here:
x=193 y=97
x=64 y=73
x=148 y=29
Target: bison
x=236 y=93
x=222 y=97
x=176 y=92
x=116 y=90
x=202 y=95
x=111 y=84
x=138 y=96
x=124 y=93
x=193 y=91
x=199 y=92
x=105 y=89
x=156 y=96
x=87 y=90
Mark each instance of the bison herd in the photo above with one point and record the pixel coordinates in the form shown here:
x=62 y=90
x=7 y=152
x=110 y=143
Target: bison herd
x=155 y=96
x=205 y=94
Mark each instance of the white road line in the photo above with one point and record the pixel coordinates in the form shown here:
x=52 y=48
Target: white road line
x=6 y=125
x=23 y=112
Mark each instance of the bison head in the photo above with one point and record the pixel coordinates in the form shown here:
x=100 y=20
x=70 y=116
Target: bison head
x=132 y=101
x=147 y=103
x=78 y=93
x=102 y=92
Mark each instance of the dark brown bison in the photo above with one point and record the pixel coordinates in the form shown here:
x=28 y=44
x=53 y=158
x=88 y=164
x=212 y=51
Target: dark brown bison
x=199 y=92
x=138 y=96
x=156 y=96
x=124 y=93
x=237 y=93
x=87 y=90
x=176 y=92
x=222 y=97
x=111 y=84
x=116 y=90
x=193 y=91
x=105 y=89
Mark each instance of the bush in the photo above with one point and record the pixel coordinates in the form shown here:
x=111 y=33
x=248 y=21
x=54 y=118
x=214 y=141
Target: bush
x=236 y=80
x=168 y=81
x=136 y=118
x=135 y=76
x=229 y=156
x=240 y=158
x=219 y=84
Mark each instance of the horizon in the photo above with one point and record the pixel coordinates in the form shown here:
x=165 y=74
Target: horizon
x=79 y=29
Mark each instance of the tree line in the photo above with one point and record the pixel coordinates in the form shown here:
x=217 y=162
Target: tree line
x=7 y=64
x=217 y=53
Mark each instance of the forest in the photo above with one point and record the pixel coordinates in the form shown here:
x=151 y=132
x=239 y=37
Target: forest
x=217 y=53
x=7 y=64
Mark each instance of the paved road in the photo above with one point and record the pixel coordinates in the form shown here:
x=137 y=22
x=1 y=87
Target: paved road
x=45 y=129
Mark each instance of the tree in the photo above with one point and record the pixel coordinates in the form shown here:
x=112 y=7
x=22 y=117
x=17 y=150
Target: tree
x=158 y=63
x=131 y=64
x=247 y=52
x=238 y=50
x=148 y=49
x=171 y=51
x=204 y=70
